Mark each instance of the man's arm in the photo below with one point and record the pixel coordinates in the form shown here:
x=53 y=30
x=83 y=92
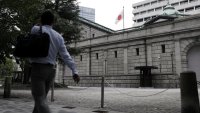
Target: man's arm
x=68 y=60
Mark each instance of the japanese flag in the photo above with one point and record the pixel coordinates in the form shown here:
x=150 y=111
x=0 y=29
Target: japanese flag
x=119 y=17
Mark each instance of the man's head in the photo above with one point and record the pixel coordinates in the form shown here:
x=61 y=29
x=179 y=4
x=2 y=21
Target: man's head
x=47 y=18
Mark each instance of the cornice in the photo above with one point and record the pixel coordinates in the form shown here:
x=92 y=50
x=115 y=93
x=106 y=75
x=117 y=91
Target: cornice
x=148 y=37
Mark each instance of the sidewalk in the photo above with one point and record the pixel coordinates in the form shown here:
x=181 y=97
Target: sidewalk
x=88 y=100
x=25 y=106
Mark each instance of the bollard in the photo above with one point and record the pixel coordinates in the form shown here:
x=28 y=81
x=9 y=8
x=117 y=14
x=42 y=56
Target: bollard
x=7 y=87
x=102 y=92
x=189 y=93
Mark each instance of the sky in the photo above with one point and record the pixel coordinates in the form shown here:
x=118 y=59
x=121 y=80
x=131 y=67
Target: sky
x=106 y=12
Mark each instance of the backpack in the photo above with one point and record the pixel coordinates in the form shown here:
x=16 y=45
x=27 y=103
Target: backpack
x=32 y=45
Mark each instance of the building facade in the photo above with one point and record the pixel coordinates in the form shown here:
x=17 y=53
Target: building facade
x=172 y=46
x=147 y=9
x=87 y=13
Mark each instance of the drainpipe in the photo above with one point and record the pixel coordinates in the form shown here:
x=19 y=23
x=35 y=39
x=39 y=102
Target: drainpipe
x=172 y=62
x=90 y=61
x=145 y=49
x=90 y=56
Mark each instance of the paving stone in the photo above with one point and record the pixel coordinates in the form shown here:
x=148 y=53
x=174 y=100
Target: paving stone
x=87 y=100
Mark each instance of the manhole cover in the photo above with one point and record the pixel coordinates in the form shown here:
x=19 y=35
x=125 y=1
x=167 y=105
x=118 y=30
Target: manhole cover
x=69 y=107
x=101 y=111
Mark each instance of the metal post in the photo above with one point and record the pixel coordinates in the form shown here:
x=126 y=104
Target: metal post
x=63 y=75
x=52 y=91
x=102 y=92
x=102 y=84
x=189 y=93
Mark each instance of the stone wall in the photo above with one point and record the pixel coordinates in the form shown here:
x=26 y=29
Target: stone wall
x=165 y=81
x=126 y=81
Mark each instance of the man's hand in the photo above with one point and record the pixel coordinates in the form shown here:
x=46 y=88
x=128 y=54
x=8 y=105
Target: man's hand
x=76 y=78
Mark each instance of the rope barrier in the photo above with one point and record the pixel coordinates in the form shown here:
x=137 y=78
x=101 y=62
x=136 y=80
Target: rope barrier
x=136 y=96
x=80 y=89
x=75 y=89
x=127 y=94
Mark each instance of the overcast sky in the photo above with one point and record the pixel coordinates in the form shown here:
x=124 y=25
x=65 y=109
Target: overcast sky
x=108 y=10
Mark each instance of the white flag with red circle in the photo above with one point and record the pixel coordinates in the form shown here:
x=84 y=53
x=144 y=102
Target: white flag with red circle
x=119 y=17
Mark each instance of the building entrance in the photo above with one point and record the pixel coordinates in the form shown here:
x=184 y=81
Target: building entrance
x=194 y=60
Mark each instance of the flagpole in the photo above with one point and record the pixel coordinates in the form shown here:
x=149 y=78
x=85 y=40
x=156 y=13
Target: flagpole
x=123 y=17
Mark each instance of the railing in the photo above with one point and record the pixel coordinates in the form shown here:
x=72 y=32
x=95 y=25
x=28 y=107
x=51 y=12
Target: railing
x=167 y=80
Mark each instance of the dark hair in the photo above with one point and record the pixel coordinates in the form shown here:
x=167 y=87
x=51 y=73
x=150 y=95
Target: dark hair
x=47 y=18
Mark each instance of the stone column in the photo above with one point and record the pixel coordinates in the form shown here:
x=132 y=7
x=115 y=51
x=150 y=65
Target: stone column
x=149 y=56
x=88 y=64
x=125 y=61
x=105 y=58
x=178 y=57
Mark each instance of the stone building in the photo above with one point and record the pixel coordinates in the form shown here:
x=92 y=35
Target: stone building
x=173 y=46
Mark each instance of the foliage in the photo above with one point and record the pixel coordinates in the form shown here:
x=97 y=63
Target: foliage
x=19 y=13
x=67 y=19
x=25 y=13
x=7 y=68
x=68 y=22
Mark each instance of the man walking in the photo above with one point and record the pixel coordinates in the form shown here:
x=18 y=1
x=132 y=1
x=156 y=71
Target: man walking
x=43 y=69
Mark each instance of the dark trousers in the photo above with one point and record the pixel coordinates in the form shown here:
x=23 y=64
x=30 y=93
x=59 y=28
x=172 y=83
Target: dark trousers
x=42 y=76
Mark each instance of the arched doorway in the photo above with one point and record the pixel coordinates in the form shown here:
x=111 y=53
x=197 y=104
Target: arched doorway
x=194 y=60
